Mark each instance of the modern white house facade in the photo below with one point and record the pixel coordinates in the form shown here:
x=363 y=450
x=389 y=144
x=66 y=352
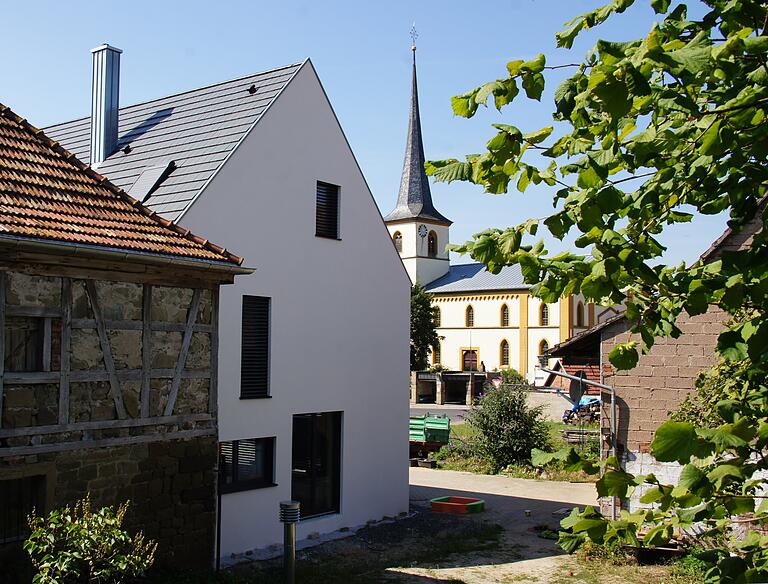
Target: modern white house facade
x=263 y=164
x=486 y=322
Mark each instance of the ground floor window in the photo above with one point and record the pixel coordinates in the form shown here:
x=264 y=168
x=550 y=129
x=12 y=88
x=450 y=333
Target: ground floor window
x=18 y=498
x=246 y=464
x=316 y=467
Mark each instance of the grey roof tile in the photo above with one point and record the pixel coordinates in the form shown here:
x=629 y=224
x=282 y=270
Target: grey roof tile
x=196 y=130
x=475 y=278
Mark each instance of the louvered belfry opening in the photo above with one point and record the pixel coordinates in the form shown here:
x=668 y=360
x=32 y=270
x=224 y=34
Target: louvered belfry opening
x=327 y=217
x=254 y=358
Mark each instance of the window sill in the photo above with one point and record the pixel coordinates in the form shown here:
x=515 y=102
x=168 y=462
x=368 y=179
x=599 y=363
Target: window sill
x=226 y=490
x=246 y=397
x=331 y=237
x=319 y=516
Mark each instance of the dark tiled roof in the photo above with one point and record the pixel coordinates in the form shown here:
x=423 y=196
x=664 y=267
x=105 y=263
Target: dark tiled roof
x=46 y=193
x=414 y=200
x=475 y=278
x=195 y=130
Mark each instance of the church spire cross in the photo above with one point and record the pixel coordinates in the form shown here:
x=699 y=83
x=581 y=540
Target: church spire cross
x=414 y=200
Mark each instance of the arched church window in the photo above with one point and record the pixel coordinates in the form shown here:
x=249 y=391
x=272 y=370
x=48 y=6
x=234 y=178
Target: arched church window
x=398 y=239
x=504 y=315
x=432 y=244
x=436 y=353
x=504 y=353
x=580 y=314
x=470 y=317
x=436 y=315
x=543 y=347
x=544 y=315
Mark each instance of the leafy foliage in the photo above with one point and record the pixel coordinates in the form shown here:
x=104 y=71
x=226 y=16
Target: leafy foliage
x=648 y=133
x=507 y=428
x=423 y=334
x=78 y=544
x=511 y=376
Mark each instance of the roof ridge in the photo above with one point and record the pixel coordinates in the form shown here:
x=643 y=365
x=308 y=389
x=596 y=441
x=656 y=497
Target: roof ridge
x=103 y=181
x=148 y=101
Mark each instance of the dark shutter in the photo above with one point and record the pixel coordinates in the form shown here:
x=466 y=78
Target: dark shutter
x=327 y=218
x=246 y=464
x=254 y=358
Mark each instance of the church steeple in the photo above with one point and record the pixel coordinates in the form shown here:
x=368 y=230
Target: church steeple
x=415 y=199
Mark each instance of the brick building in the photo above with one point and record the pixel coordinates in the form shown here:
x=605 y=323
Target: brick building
x=109 y=344
x=662 y=378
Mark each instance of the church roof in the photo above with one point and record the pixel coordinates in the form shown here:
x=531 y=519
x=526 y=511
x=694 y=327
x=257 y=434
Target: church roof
x=415 y=199
x=169 y=148
x=476 y=278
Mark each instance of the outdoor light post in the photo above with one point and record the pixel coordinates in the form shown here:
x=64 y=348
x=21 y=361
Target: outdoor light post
x=290 y=515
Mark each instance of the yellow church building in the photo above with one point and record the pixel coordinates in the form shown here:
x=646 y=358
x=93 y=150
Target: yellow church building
x=486 y=322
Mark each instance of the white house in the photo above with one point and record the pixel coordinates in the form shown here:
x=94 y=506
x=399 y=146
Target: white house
x=313 y=364
x=485 y=321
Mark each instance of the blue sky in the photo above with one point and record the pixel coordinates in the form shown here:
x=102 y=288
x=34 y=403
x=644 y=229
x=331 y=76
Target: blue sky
x=361 y=52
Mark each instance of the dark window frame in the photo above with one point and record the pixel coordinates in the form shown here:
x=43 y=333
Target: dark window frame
x=30 y=489
x=255 y=347
x=41 y=348
x=432 y=244
x=237 y=485
x=328 y=211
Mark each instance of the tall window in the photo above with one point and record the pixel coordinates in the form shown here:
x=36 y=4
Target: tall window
x=436 y=316
x=327 y=211
x=469 y=360
x=316 y=468
x=579 y=314
x=246 y=464
x=432 y=244
x=504 y=353
x=32 y=344
x=543 y=347
x=19 y=497
x=544 y=315
x=254 y=356
x=436 y=357
x=469 y=317
x=398 y=239
x=504 y=315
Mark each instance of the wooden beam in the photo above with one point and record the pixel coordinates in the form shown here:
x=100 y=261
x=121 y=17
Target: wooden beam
x=2 y=342
x=38 y=377
x=213 y=384
x=106 y=349
x=124 y=441
x=181 y=363
x=66 y=335
x=146 y=350
x=138 y=325
x=104 y=425
x=47 y=343
x=35 y=311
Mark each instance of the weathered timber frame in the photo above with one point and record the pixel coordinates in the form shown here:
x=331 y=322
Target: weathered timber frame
x=132 y=430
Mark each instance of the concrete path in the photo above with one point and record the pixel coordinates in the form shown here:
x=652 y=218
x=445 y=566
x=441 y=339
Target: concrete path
x=520 y=506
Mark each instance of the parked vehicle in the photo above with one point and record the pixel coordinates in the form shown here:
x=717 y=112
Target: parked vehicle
x=586 y=411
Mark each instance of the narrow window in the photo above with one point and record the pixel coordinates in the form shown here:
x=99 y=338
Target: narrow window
x=436 y=316
x=432 y=244
x=316 y=467
x=254 y=357
x=436 y=357
x=579 y=314
x=32 y=344
x=543 y=347
x=398 y=239
x=469 y=360
x=246 y=464
x=544 y=315
x=470 y=317
x=20 y=497
x=504 y=353
x=327 y=211
x=504 y=315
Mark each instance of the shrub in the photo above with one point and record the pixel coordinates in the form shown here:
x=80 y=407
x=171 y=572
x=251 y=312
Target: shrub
x=81 y=545
x=512 y=376
x=507 y=428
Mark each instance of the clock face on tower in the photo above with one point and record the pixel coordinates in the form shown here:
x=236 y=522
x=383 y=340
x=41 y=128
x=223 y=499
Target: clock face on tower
x=423 y=230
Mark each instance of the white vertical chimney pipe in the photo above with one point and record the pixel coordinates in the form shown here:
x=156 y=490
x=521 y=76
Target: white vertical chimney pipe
x=105 y=92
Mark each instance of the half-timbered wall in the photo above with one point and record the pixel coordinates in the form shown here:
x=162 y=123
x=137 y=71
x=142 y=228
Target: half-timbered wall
x=109 y=387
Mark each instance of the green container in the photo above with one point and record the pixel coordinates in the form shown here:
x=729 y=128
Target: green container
x=429 y=429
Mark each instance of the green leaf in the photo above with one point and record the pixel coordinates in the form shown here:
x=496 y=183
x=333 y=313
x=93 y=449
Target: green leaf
x=674 y=442
x=710 y=140
x=533 y=84
x=624 y=355
x=690 y=477
x=538 y=135
x=615 y=483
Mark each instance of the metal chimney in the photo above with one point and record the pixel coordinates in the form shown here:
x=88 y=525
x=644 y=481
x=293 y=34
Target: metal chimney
x=105 y=91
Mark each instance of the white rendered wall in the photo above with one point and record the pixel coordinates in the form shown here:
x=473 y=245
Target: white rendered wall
x=339 y=318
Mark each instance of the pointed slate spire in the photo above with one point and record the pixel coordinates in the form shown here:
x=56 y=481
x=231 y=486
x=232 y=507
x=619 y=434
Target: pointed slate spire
x=415 y=199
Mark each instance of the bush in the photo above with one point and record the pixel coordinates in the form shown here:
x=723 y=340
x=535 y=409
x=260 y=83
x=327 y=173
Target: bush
x=512 y=376
x=74 y=545
x=507 y=429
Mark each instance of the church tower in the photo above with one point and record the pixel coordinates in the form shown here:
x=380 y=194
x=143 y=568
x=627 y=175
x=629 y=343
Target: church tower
x=418 y=230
